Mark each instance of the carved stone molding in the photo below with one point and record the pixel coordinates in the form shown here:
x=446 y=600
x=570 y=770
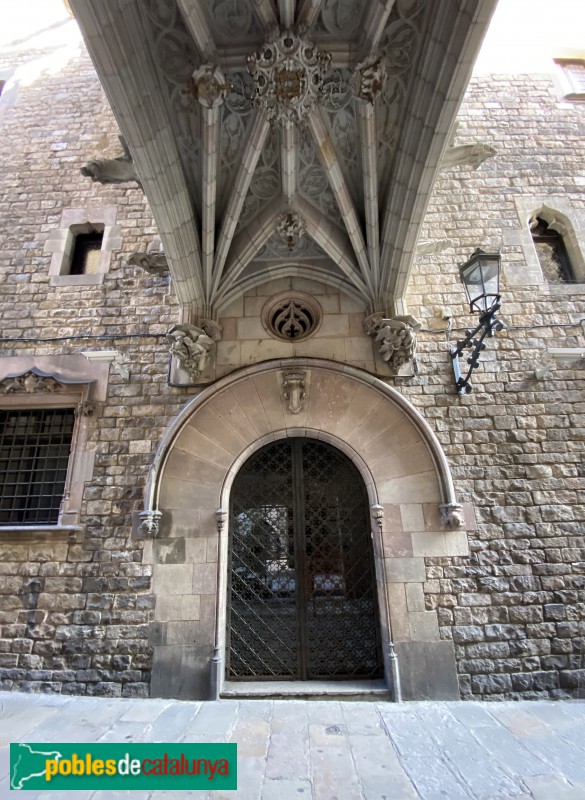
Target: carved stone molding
x=30 y=383
x=288 y=74
x=191 y=348
x=112 y=170
x=212 y=329
x=452 y=515
x=294 y=389
x=369 y=78
x=149 y=522
x=396 y=338
x=290 y=228
x=154 y=263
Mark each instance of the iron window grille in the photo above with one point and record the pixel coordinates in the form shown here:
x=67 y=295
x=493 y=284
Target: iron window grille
x=35 y=446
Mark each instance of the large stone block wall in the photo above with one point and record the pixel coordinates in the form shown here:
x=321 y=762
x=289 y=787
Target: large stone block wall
x=74 y=612
x=515 y=607
x=75 y=615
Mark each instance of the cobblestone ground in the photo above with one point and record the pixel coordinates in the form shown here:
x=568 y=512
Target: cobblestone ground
x=328 y=750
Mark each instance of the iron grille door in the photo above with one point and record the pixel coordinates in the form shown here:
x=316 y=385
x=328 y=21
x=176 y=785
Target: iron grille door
x=302 y=600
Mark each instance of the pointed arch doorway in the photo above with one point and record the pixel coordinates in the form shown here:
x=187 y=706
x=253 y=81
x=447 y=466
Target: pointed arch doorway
x=302 y=600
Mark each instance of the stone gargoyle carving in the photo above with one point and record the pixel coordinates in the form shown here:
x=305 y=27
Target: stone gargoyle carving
x=154 y=263
x=467 y=155
x=396 y=338
x=433 y=248
x=191 y=346
x=112 y=170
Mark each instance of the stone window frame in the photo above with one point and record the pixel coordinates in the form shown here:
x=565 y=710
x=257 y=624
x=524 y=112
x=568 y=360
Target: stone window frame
x=563 y=217
x=84 y=383
x=569 y=88
x=62 y=240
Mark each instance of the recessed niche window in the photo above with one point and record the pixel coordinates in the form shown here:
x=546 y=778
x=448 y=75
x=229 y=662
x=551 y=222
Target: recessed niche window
x=291 y=316
x=551 y=251
x=82 y=246
x=85 y=258
x=2 y=85
x=573 y=77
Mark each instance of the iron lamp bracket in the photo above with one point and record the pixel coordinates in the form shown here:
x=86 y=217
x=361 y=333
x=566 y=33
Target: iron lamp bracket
x=487 y=326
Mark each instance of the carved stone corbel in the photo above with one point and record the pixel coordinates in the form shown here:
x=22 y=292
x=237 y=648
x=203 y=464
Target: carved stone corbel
x=154 y=263
x=221 y=516
x=191 y=349
x=377 y=514
x=294 y=389
x=149 y=522
x=452 y=515
x=396 y=338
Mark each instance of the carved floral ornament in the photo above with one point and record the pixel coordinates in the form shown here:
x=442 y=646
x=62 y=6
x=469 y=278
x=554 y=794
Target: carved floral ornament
x=396 y=338
x=290 y=228
x=288 y=74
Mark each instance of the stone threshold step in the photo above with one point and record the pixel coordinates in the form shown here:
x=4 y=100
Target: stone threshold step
x=306 y=690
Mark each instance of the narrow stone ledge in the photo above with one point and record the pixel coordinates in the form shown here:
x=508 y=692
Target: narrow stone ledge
x=41 y=533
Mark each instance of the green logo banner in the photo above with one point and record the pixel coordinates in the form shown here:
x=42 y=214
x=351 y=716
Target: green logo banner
x=59 y=767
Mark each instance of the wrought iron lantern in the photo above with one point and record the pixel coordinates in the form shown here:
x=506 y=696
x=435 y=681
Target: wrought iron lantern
x=481 y=279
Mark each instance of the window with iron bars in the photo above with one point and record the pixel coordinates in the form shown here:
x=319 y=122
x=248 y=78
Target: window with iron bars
x=35 y=446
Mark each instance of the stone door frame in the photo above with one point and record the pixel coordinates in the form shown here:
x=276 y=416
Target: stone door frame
x=410 y=489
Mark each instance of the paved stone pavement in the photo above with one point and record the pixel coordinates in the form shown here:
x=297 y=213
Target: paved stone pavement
x=330 y=750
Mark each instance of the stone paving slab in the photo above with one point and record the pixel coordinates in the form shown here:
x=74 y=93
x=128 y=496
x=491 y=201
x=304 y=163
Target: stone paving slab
x=330 y=750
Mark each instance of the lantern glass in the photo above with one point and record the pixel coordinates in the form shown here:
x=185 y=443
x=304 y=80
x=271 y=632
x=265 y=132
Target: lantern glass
x=481 y=279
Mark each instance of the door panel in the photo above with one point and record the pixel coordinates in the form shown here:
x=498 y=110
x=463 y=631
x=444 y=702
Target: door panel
x=302 y=599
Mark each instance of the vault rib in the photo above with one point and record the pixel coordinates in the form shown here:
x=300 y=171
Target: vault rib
x=289 y=138
x=308 y=12
x=265 y=13
x=246 y=245
x=330 y=163
x=145 y=122
x=368 y=138
x=256 y=140
x=199 y=29
x=286 y=12
x=211 y=123
x=332 y=240
x=377 y=17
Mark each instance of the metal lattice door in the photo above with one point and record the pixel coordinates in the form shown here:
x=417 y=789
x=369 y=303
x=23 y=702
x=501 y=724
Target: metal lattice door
x=302 y=600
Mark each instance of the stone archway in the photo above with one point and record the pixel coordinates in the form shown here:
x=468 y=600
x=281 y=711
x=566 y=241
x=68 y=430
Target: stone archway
x=414 y=512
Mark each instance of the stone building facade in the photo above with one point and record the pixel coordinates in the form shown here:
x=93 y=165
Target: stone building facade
x=476 y=502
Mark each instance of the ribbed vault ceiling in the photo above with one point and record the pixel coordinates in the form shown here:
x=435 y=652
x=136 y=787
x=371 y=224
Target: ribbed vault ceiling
x=285 y=137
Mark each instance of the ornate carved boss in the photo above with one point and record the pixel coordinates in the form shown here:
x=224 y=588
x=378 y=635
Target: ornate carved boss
x=290 y=228
x=396 y=338
x=288 y=74
x=294 y=389
x=209 y=86
x=369 y=79
x=191 y=347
